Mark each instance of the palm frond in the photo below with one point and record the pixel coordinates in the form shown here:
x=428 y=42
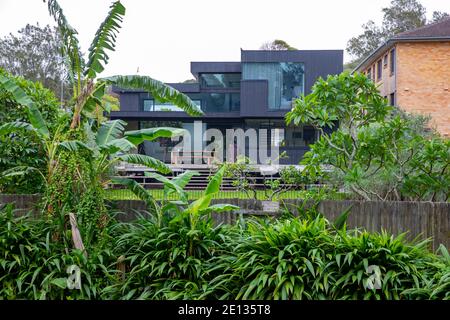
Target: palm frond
x=138 y=136
x=104 y=39
x=10 y=127
x=74 y=145
x=38 y=121
x=117 y=145
x=19 y=171
x=168 y=184
x=220 y=207
x=183 y=179
x=70 y=45
x=110 y=130
x=215 y=182
x=20 y=96
x=146 y=161
x=138 y=190
x=158 y=90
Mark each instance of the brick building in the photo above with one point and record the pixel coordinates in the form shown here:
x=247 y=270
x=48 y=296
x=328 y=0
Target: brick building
x=412 y=70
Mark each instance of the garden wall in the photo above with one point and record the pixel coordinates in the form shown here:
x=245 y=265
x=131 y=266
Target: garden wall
x=424 y=219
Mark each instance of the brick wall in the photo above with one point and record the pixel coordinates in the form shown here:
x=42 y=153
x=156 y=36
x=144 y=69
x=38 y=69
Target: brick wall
x=423 y=81
x=386 y=84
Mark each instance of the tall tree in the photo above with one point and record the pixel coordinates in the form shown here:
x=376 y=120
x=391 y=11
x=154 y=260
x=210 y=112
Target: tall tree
x=34 y=54
x=403 y=15
x=277 y=44
x=400 y=16
x=439 y=15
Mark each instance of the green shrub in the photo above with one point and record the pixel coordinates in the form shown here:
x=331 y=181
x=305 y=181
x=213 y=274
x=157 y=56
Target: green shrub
x=21 y=148
x=34 y=266
x=166 y=257
x=300 y=258
x=169 y=260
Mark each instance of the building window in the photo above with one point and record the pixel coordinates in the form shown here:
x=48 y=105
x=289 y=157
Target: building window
x=168 y=106
x=385 y=60
x=286 y=80
x=379 y=70
x=149 y=105
x=369 y=74
x=373 y=73
x=155 y=105
x=392 y=99
x=220 y=80
x=392 y=61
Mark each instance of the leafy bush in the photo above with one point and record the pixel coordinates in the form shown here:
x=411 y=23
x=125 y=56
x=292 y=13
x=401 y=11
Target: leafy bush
x=312 y=259
x=168 y=257
x=377 y=153
x=20 y=148
x=168 y=261
x=33 y=265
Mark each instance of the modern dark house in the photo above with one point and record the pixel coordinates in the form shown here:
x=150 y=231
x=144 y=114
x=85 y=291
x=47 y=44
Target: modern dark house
x=253 y=93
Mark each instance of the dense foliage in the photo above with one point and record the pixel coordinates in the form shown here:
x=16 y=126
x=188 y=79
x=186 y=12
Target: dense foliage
x=377 y=153
x=33 y=53
x=400 y=16
x=150 y=258
x=18 y=149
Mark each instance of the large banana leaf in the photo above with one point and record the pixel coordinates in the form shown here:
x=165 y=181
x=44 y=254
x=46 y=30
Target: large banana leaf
x=183 y=179
x=158 y=90
x=14 y=126
x=74 y=145
x=95 y=99
x=19 y=95
x=38 y=121
x=138 y=190
x=18 y=171
x=145 y=161
x=168 y=184
x=70 y=44
x=109 y=131
x=213 y=187
x=221 y=207
x=117 y=145
x=215 y=182
x=104 y=39
x=138 y=136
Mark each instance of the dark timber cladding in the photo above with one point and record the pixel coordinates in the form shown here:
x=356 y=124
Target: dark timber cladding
x=318 y=63
x=254 y=93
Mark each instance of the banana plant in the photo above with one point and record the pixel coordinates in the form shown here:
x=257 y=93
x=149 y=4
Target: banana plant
x=51 y=142
x=181 y=208
x=88 y=92
x=112 y=144
x=109 y=145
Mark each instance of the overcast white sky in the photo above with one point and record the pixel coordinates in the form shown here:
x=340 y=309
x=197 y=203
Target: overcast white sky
x=161 y=37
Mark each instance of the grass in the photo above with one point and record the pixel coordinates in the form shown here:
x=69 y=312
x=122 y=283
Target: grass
x=125 y=194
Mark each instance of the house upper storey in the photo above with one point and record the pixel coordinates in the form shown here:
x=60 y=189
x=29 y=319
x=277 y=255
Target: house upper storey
x=262 y=84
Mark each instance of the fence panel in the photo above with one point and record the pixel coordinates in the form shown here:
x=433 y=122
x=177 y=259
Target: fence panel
x=423 y=219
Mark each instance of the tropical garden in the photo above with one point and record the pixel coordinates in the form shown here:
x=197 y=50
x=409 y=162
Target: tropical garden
x=174 y=249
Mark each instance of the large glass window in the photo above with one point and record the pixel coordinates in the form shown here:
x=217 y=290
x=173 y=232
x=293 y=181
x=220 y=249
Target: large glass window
x=221 y=102
x=286 y=81
x=155 y=105
x=148 y=104
x=220 y=80
x=392 y=61
x=207 y=101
